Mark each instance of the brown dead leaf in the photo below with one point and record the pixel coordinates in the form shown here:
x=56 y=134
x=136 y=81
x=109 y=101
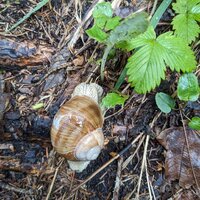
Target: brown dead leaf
x=177 y=162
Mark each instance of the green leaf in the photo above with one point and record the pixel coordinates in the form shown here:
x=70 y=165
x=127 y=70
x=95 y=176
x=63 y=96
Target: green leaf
x=113 y=99
x=129 y=28
x=147 y=66
x=195 y=123
x=38 y=106
x=101 y=13
x=102 y=9
x=178 y=55
x=112 y=23
x=100 y=22
x=159 y=12
x=96 y=33
x=165 y=102
x=185 y=24
x=188 y=88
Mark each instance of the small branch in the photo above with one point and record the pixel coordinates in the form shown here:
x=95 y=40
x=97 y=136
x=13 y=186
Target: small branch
x=118 y=180
x=143 y=165
x=15 y=189
x=53 y=181
x=13 y=164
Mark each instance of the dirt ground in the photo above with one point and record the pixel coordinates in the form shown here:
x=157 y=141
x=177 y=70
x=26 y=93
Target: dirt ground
x=29 y=168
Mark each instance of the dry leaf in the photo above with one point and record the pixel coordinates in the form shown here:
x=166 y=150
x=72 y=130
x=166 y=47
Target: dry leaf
x=177 y=162
x=79 y=61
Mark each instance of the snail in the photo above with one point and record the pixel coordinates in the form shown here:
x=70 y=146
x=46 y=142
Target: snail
x=76 y=131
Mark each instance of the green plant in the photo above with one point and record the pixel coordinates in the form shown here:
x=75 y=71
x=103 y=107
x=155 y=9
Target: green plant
x=185 y=23
x=187 y=90
x=165 y=102
x=153 y=54
x=121 y=31
x=195 y=123
x=188 y=87
x=113 y=99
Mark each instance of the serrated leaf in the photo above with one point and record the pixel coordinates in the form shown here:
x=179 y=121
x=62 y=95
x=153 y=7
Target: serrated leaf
x=113 y=99
x=147 y=66
x=195 y=123
x=188 y=88
x=185 y=24
x=164 y=102
x=96 y=33
x=178 y=55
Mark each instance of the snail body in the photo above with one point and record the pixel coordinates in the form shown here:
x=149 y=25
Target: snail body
x=76 y=131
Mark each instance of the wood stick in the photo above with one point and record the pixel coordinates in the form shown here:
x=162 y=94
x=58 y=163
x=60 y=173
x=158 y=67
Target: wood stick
x=13 y=164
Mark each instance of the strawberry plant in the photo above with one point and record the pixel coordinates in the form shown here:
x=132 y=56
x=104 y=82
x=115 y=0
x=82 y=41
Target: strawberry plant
x=152 y=54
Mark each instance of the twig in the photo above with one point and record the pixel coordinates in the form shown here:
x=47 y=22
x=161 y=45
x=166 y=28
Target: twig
x=118 y=180
x=108 y=163
x=53 y=181
x=147 y=177
x=15 y=189
x=7 y=146
x=128 y=160
x=154 y=7
x=66 y=65
x=143 y=165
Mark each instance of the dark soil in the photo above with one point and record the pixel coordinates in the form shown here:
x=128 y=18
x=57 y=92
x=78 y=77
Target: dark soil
x=28 y=165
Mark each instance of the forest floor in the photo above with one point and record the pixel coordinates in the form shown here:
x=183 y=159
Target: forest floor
x=132 y=164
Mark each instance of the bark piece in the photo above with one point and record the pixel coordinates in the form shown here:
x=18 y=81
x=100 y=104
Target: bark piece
x=24 y=53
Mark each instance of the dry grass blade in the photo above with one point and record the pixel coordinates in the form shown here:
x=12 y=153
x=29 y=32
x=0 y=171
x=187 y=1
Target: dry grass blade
x=143 y=166
x=36 y=8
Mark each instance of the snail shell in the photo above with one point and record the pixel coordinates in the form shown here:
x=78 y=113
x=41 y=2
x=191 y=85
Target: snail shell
x=76 y=132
